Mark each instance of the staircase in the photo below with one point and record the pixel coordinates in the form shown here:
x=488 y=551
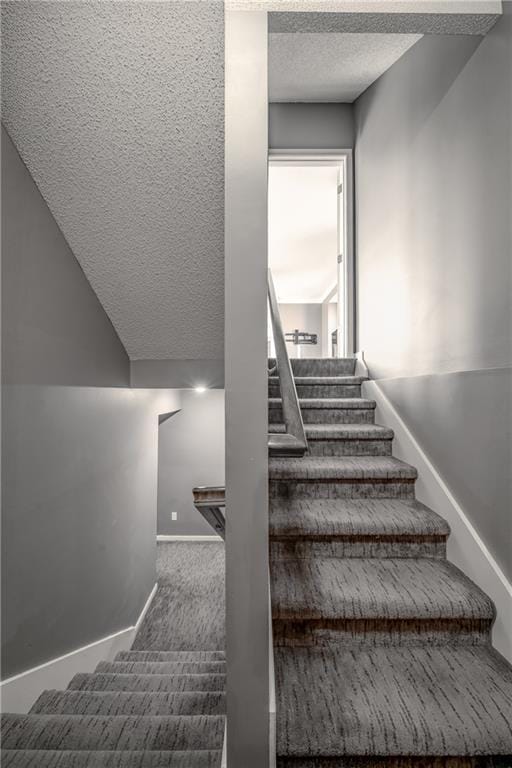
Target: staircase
x=383 y=655
x=146 y=709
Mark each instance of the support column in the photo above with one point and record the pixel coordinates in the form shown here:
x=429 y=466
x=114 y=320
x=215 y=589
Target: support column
x=247 y=617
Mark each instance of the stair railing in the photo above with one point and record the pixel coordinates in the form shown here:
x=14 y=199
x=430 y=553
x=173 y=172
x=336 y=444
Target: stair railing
x=293 y=442
x=210 y=501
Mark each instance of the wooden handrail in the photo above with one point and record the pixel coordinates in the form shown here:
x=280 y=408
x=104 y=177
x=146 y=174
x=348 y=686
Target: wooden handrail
x=209 y=501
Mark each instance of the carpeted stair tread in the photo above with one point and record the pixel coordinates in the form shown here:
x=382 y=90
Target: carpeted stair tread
x=91 y=681
x=26 y=758
x=340 y=431
x=347 y=379
x=319 y=366
x=340 y=468
x=161 y=667
x=308 y=518
x=393 y=701
x=90 y=732
x=129 y=703
x=170 y=656
x=331 y=403
x=373 y=588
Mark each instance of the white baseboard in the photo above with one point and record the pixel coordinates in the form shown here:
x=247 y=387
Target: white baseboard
x=465 y=547
x=18 y=693
x=165 y=537
x=360 y=366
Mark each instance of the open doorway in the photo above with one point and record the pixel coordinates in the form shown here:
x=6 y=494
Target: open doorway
x=310 y=253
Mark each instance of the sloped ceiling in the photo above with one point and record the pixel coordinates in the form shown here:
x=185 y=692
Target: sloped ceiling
x=330 y=66
x=117 y=110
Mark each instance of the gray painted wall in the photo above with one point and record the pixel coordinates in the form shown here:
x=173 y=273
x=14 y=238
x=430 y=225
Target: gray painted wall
x=433 y=181
x=190 y=453
x=177 y=374
x=79 y=449
x=311 y=126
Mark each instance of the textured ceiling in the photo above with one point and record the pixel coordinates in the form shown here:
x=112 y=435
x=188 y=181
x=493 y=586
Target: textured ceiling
x=330 y=67
x=117 y=110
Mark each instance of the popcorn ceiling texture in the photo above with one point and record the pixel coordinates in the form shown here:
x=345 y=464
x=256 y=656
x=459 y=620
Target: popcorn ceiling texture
x=330 y=67
x=117 y=109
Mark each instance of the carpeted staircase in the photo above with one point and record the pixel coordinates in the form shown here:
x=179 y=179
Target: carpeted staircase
x=383 y=655
x=146 y=709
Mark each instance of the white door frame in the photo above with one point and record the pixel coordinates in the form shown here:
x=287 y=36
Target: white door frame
x=342 y=158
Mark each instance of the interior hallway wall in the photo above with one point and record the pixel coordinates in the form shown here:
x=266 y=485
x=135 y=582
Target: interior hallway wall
x=311 y=126
x=434 y=242
x=190 y=453
x=79 y=448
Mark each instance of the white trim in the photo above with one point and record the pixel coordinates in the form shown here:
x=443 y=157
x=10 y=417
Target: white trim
x=165 y=537
x=360 y=367
x=18 y=693
x=224 y=757
x=344 y=158
x=291 y=156
x=272 y=709
x=466 y=549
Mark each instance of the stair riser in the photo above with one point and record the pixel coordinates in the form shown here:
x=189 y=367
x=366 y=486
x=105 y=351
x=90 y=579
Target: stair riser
x=320 y=390
x=394 y=762
x=94 y=759
x=110 y=703
x=161 y=668
x=117 y=733
x=349 y=447
x=170 y=656
x=320 y=367
x=384 y=632
x=327 y=415
x=310 y=548
x=377 y=489
x=164 y=683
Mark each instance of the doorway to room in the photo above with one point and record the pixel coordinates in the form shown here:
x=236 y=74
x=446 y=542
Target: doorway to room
x=310 y=250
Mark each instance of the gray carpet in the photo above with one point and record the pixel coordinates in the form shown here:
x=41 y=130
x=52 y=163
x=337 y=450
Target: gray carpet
x=151 y=707
x=350 y=410
x=383 y=655
x=129 y=703
x=98 y=759
x=188 y=610
x=394 y=701
x=121 y=682
x=121 y=732
x=344 y=439
x=310 y=528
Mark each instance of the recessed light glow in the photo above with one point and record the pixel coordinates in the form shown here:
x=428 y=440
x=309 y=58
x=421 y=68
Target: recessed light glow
x=200 y=390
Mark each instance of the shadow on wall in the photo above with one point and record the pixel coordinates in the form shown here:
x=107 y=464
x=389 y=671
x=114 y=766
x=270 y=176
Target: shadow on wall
x=79 y=447
x=443 y=61
x=190 y=453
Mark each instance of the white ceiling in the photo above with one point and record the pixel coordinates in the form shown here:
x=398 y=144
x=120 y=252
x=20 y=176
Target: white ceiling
x=117 y=109
x=330 y=67
x=303 y=231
